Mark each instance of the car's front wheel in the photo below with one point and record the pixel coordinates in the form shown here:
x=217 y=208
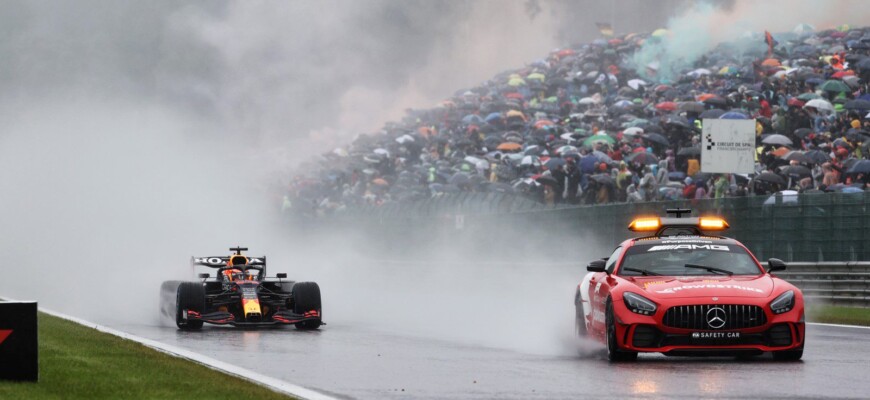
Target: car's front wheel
x=306 y=298
x=788 y=355
x=190 y=297
x=614 y=353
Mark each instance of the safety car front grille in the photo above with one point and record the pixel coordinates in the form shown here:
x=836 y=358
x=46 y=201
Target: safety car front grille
x=735 y=316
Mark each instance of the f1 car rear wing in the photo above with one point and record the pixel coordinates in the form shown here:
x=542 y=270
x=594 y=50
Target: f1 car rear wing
x=217 y=262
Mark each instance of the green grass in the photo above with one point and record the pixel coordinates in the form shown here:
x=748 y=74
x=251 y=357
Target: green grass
x=839 y=315
x=76 y=362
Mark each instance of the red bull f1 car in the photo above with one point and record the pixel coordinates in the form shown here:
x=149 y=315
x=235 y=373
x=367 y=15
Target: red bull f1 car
x=683 y=291
x=240 y=294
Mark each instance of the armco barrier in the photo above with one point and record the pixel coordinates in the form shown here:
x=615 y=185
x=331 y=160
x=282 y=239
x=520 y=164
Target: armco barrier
x=844 y=283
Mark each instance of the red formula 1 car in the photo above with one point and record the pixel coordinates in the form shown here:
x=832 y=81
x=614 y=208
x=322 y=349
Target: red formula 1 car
x=241 y=294
x=680 y=292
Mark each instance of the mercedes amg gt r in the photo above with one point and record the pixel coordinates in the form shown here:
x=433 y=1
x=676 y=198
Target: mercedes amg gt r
x=241 y=294
x=682 y=291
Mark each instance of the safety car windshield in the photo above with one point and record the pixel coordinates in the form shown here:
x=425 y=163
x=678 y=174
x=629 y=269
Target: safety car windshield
x=687 y=258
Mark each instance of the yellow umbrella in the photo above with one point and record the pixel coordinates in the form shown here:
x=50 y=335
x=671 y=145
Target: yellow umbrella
x=661 y=32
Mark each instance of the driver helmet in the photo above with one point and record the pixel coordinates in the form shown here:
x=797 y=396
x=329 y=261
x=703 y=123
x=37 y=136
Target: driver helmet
x=234 y=275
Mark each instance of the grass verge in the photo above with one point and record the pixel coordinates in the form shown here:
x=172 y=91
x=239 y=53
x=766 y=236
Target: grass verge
x=76 y=362
x=839 y=315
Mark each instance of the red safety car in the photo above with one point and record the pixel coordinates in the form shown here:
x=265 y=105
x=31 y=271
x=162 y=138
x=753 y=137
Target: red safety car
x=683 y=291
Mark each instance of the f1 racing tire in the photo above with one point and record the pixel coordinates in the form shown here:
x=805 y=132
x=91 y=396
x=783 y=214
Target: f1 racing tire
x=306 y=297
x=614 y=353
x=788 y=355
x=191 y=296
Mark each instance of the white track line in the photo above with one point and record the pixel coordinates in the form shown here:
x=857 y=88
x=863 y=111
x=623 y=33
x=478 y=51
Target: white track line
x=838 y=325
x=271 y=383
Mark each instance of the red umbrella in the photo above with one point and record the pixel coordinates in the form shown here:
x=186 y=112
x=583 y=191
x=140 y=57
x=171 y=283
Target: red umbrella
x=514 y=95
x=667 y=106
x=795 y=102
x=662 y=88
x=841 y=74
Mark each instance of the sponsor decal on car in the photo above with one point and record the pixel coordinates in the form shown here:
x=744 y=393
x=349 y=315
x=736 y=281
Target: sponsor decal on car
x=652 y=283
x=720 y=247
x=715 y=335
x=710 y=286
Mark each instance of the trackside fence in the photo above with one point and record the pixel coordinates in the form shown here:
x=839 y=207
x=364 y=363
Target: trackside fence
x=808 y=227
x=843 y=283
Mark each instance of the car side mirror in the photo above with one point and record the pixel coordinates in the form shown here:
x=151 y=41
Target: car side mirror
x=281 y=275
x=775 y=264
x=203 y=276
x=596 y=266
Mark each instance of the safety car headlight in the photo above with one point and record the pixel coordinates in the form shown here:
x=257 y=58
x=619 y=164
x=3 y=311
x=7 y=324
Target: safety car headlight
x=639 y=304
x=783 y=303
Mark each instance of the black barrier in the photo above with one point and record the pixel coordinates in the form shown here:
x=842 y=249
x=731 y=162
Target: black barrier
x=19 y=349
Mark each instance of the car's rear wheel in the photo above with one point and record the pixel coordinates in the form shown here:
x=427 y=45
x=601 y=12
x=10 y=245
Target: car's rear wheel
x=788 y=355
x=306 y=298
x=191 y=297
x=614 y=353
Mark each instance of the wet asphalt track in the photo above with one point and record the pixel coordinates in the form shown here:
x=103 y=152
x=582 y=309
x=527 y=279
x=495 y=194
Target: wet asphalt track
x=351 y=362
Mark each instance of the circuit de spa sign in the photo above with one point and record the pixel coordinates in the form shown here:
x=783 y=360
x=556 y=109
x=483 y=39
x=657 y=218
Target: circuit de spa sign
x=728 y=146
x=19 y=350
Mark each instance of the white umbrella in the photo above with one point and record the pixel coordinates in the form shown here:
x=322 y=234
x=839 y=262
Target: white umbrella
x=586 y=101
x=636 y=83
x=633 y=131
x=820 y=104
x=777 y=139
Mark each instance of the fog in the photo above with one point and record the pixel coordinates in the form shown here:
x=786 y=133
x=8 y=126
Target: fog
x=136 y=134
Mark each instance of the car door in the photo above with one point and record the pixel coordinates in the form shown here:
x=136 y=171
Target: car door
x=599 y=289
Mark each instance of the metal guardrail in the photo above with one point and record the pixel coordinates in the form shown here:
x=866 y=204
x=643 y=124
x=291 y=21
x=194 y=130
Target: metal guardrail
x=842 y=283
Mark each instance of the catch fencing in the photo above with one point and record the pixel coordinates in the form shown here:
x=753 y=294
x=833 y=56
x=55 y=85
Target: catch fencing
x=806 y=227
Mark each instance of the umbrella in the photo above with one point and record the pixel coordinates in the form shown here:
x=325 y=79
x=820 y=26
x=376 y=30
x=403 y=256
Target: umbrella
x=788 y=196
x=598 y=139
x=530 y=161
x=808 y=96
x=860 y=167
x=633 y=131
x=509 y=146
x=777 y=139
x=692 y=106
x=636 y=83
x=689 y=151
x=472 y=119
x=857 y=135
x=857 y=104
x=770 y=177
x=712 y=114
x=715 y=101
x=657 y=138
x=797 y=156
x=602 y=157
x=835 y=86
x=817 y=156
x=733 y=115
x=666 y=106
x=554 y=163
x=677 y=120
x=643 y=158
x=380 y=182
x=547 y=180
x=780 y=151
x=604 y=179
x=802 y=132
x=820 y=104
x=798 y=171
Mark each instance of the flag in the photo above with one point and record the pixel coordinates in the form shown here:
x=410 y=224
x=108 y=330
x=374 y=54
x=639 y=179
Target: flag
x=771 y=43
x=604 y=28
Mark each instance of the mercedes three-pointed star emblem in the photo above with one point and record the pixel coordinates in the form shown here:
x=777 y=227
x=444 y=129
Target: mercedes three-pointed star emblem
x=716 y=317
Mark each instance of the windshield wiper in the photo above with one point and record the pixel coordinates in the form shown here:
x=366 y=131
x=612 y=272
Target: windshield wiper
x=711 y=269
x=641 y=271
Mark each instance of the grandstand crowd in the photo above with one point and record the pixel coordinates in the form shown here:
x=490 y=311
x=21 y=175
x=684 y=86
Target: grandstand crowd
x=596 y=123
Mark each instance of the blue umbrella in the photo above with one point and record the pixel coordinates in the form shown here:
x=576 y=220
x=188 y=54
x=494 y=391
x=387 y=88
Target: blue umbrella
x=472 y=119
x=733 y=115
x=493 y=117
